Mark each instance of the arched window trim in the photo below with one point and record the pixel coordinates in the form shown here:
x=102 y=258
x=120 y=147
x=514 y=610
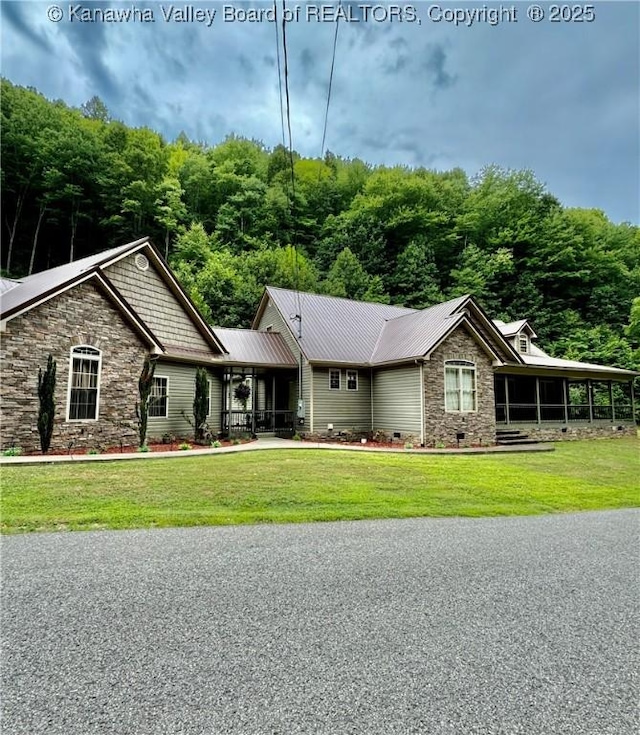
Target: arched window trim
x=95 y=356
x=456 y=387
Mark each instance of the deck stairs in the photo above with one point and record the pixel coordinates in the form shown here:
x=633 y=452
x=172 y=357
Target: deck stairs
x=513 y=437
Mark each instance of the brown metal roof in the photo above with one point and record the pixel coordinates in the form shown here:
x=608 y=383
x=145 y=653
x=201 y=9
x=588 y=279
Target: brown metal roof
x=334 y=329
x=32 y=289
x=414 y=335
x=249 y=347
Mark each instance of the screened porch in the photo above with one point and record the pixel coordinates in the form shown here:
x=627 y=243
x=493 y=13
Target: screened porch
x=529 y=399
x=258 y=401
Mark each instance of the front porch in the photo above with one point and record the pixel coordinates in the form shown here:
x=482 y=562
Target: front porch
x=529 y=399
x=267 y=407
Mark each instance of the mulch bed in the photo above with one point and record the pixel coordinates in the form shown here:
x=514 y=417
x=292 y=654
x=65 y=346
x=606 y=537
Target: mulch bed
x=154 y=448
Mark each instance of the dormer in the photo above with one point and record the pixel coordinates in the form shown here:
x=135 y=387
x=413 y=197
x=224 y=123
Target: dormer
x=519 y=333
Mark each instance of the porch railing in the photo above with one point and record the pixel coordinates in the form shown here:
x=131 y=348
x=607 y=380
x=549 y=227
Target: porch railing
x=257 y=422
x=532 y=413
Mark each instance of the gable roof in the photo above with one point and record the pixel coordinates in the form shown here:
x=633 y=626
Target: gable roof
x=510 y=329
x=40 y=287
x=337 y=330
x=333 y=329
x=37 y=287
x=249 y=347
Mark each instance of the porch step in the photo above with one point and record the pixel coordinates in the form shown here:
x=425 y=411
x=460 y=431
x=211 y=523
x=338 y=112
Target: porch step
x=510 y=438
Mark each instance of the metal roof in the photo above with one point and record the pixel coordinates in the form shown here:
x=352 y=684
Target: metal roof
x=414 y=335
x=249 y=347
x=512 y=328
x=32 y=288
x=539 y=358
x=6 y=284
x=334 y=329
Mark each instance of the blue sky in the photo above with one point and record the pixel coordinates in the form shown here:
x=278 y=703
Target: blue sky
x=560 y=98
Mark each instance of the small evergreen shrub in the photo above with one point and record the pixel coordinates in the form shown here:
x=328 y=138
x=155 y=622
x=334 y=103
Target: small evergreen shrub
x=46 y=397
x=184 y=446
x=12 y=452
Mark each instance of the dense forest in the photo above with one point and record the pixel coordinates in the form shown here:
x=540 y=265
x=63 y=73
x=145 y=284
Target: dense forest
x=235 y=216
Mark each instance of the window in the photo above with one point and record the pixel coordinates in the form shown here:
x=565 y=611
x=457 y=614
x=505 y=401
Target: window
x=84 y=383
x=352 y=380
x=460 y=385
x=159 y=398
x=523 y=343
x=334 y=379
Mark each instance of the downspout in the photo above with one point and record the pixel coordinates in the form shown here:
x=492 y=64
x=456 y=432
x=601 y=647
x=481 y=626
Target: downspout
x=371 y=396
x=422 y=406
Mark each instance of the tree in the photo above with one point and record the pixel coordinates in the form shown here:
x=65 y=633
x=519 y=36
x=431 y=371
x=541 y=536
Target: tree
x=145 y=384
x=95 y=109
x=347 y=278
x=46 y=397
x=201 y=404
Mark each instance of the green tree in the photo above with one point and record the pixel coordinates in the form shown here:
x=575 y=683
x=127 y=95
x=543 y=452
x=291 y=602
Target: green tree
x=47 y=406
x=145 y=384
x=201 y=404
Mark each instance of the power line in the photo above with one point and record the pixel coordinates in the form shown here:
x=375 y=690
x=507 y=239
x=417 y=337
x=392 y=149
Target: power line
x=333 y=62
x=275 y=23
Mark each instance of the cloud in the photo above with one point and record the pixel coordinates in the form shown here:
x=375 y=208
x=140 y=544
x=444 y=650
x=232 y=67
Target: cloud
x=435 y=65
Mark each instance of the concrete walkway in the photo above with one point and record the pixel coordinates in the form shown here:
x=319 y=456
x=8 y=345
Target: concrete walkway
x=263 y=444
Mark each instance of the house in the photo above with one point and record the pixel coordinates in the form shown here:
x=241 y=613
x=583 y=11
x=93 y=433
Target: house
x=316 y=364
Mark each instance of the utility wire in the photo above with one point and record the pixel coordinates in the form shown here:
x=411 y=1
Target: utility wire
x=275 y=23
x=293 y=193
x=333 y=62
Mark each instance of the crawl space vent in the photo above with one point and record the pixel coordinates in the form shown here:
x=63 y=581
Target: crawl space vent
x=142 y=262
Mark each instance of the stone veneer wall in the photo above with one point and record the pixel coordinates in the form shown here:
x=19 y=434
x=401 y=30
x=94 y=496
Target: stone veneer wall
x=79 y=316
x=441 y=427
x=553 y=432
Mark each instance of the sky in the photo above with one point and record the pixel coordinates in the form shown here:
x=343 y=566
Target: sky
x=430 y=84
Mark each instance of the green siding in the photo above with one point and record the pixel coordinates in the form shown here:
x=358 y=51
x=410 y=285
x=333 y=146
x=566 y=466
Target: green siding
x=397 y=396
x=181 y=391
x=157 y=306
x=347 y=410
x=271 y=316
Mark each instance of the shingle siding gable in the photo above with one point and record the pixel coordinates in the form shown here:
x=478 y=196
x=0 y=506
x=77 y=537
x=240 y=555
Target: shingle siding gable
x=150 y=297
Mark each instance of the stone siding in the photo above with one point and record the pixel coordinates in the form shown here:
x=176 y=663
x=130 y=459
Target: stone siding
x=441 y=427
x=554 y=432
x=81 y=316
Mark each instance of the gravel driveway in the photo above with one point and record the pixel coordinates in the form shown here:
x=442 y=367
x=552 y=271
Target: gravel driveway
x=501 y=625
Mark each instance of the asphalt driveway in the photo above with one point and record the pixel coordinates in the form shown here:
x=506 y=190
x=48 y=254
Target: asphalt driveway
x=504 y=625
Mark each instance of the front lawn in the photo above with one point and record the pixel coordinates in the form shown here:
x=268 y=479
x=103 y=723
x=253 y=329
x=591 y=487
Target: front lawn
x=318 y=485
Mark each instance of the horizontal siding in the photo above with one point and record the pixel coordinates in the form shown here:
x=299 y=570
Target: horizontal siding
x=181 y=392
x=271 y=317
x=347 y=410
x=149 y=295
x=397 y=395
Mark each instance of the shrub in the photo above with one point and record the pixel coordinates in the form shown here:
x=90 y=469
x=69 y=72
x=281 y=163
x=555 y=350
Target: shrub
x=184 y=446
x=144 y=448
x=296 y=437
x=12 y=452
x=201 y=405
x=216 y=444
x=46 y=397
x=145 y=383
x=93 y=451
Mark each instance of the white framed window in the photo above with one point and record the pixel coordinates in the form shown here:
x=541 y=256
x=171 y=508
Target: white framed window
x=460 y=386
x=159 y=398
x=352 y=380
x=523 y=343
x=83 y=396
x=334 y=379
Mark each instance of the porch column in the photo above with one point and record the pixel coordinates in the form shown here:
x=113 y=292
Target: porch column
x=538 y=412
x=273 y=402
x=253 y=400
x=613 y=410
x=229 y=399
x=506 y=399
x=590 y=399
x=565 y=399
x=633 y=401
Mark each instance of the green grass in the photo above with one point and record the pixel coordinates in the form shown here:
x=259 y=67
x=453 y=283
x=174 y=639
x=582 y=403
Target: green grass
x=316 y=485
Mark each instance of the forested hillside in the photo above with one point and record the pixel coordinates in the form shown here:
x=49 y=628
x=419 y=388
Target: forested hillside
x=227 y=216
